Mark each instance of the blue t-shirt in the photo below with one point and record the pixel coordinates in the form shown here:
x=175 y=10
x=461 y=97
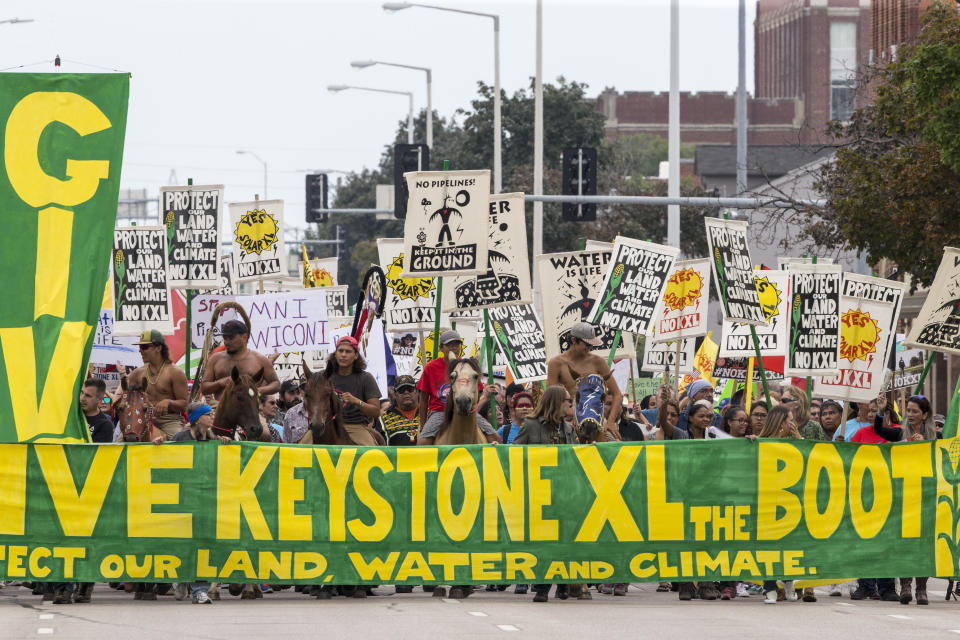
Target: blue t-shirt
x=507 y=438
x=853 y=425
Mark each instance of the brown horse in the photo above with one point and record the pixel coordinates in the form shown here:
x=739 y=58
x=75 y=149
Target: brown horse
x=134 y=416
x=238 y=412
x=460 y=415
x=324 y=407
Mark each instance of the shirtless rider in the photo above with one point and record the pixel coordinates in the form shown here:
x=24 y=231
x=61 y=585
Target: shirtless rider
x=220 y=364
x=164 y=383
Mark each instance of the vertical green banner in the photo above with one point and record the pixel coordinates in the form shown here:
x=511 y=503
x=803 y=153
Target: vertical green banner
x=62 y=150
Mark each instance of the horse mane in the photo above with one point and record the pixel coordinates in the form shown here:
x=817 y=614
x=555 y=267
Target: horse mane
x=336 y=406
x=448 y=406
x=226 y=400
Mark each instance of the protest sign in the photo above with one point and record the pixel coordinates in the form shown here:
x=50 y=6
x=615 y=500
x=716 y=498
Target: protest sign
x=864 y=325
x=399 y=524
x=813 y=347
x=682 y=312
x=879 y=290
x=191 y=217
x=337 y=304
x=445 y=232
x=109 y=348
x=519 y=336
x=661 y=357
x=736 y=341
x=632 y=286
x=257 y=230
x=785 y=262
x=141 y=294
x=736 y=369
x=323 y=272
x=937 y=326
x=411 y=302
x=575 y=279
x=733 y=270
x=506 y=280
x=227 y=283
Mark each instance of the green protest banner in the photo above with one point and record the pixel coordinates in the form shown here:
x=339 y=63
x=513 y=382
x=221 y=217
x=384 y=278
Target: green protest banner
x=59 y=181
x=616 y=512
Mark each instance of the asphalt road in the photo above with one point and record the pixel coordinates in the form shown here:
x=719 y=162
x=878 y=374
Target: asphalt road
x=642 y=613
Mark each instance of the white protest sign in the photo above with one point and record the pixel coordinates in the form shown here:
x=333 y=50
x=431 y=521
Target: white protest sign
x=937 y=326
x=736 y=340
x=191 y=216
x=323 y=270
x=682 y=312
x=660 y=357
x=257 y=233
x=733 y=270
x=411 y=302
x=445 y=232
x=109 y=348
x=141 y=292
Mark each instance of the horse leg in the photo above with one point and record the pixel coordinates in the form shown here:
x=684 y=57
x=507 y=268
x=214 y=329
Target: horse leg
x=247 y=592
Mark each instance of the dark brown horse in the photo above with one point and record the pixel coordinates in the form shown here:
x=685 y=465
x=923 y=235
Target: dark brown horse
x=324 y=410
x=238 y=412
x=134 y=415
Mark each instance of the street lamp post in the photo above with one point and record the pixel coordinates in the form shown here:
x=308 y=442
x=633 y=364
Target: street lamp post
x=261 y=161
x=334 y=88
x=16 y=20
x=497 y=164
x=363 y=64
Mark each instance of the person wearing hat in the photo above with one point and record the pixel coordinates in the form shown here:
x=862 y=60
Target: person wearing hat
x=164 y=383
x=434 y=385
x=216 y=377
x=587 y=378
x=358 y=391
x=401 y=421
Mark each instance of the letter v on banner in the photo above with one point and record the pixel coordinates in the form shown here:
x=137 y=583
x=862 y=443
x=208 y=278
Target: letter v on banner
x=63 y=208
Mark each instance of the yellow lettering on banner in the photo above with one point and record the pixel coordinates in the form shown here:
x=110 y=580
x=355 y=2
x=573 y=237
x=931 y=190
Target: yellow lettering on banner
x=335 y=478
x=238 y=561
x=449 y=562
x=204 y=568
x=15 y=568
x=165 y=566
x=824 y=457
x=600 y=570
x=143 y=492
x=664 y=519
x=28 y=119
x=539 y=490
x=378 y=506
x=608 y=504
x=744 y=563
x=519 y=562
x=700 y=516
x=500 y=496
x=912 y=464
x=458 y=525
x=666 y=569
x=768 y=558
x=138 y=571
x=740 y=513
x=54 y=237
x=291 y=526
x=706 y=562
x=557 y=569
x=638 y=562
x=236 y=492
x=78 y=511
x=418 y=462
x=869 y=523
x=791 y=563
x=301 y=560
x=13 y=488
x=579 y=569
x=414 y=566
x=57 y=396
x=378 y=568
x=482 y=565
x=686 y=563
x=111 y=566
x=69 y=555
x=773 y=480
x=36 y=556
x=270 y=565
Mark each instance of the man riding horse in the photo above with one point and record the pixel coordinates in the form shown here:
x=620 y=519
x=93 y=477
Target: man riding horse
x=164 y=383
x=236 y=354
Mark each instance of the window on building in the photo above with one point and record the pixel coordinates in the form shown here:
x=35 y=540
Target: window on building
x=843 y=70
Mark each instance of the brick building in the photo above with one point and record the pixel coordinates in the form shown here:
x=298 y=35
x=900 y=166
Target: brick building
x=894 y=23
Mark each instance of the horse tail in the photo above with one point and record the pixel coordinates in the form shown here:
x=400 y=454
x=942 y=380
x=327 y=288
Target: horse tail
x=208 y=342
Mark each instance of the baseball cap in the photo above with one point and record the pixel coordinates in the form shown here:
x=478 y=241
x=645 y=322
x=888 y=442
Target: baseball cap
x=350 y=340
x=288 y=386
x=404 y=381
x=449 y=336
x=151 y=336
x=233 y=328
x=584 y=331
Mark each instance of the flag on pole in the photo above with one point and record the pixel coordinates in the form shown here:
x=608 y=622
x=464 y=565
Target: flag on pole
x=308 y=281
x=703 y=363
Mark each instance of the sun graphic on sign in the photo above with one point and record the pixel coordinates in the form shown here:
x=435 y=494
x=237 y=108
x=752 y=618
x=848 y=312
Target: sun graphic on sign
x=406 y=288
x=256 y=231
x=683 y=289
x=322 y=277
x=769 y=297
x=425 y=354
x=859 y=334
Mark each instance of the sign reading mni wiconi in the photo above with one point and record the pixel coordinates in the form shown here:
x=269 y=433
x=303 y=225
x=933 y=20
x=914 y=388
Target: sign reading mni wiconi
x=736 y=340
x=632 y=286
x=693 y=510
x=520 y=340
x=813 y=343
x=257 y=230
x=445 y=232
x=733 y=270
x=141 y=293
x=506 y=280
x=937 y=327
x=682 y=312
x=191 y=217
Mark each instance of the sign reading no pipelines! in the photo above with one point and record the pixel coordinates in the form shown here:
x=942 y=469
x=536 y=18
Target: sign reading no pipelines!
x=478 y=514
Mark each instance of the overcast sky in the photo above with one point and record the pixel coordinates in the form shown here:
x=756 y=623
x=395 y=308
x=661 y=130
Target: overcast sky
x=212 y=77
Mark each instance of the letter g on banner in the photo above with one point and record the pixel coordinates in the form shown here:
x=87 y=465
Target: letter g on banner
x=25 y=126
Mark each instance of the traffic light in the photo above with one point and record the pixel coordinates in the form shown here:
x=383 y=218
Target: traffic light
x=316 y=197
x=406 y=157
x=579 y=179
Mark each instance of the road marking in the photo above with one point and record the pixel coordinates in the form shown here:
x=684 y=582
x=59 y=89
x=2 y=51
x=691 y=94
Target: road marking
x=45 y=631
x=507 y=627
x=954 y=630
x=845 y=604
x=898 y=616
x=46 y=616
x=449 y=601
x=479 y=614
